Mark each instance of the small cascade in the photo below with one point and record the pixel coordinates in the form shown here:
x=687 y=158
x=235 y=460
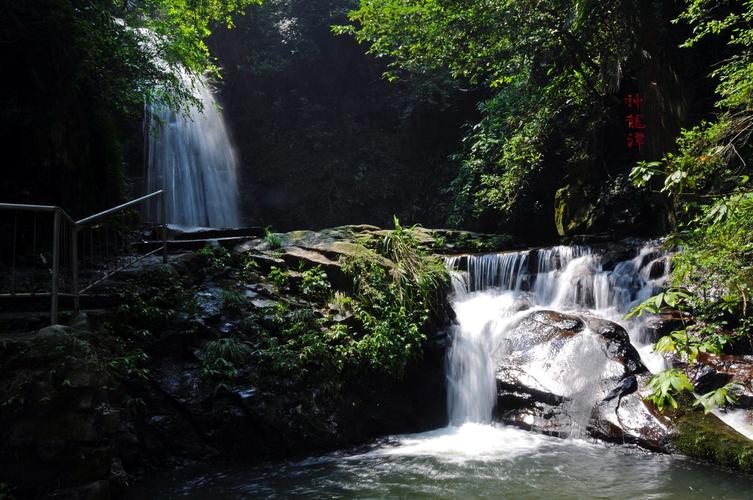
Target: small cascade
x=191 y=156
x=472 y=388
x=492 y=292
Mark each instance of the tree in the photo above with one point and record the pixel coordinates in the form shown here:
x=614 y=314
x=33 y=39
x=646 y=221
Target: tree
x=550 y=67
x=78 y=73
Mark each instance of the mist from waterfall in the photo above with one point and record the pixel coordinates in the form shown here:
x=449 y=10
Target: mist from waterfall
x=494 y=291
x=190 y=155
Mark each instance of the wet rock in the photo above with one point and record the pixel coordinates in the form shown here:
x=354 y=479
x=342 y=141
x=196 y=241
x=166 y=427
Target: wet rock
x=613 y=253
x=627 y=386
x=627 y=419
x=731 y=368
x=665 y=323
x=263 y=303
x=707 y=379
x=617 y=343
x=659 y=268
x=572 y=213
x=210 y=302
x=522 y=303
x=540 y=388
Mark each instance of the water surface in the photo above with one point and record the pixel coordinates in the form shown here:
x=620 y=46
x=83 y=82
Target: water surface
x=470 y=461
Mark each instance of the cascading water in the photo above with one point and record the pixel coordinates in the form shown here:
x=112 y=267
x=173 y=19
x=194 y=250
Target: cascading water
x=496 y=290
x=191 y=156
x=471 y=459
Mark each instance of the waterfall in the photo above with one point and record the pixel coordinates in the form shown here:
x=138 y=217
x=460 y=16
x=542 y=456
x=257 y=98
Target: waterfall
x=190 y=155
x=491 y=292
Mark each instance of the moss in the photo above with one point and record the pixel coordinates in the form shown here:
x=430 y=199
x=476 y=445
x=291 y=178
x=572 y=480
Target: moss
x=572 y=213
x=707 y=438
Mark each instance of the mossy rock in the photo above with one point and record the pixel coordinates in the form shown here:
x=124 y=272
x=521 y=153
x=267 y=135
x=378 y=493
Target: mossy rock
x=705 y=437
x=572 y=212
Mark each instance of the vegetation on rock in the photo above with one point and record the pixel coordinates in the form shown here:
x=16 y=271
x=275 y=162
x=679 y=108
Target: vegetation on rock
x=706 y=185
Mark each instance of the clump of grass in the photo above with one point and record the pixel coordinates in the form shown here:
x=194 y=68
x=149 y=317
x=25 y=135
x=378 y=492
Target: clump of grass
x=273 y=240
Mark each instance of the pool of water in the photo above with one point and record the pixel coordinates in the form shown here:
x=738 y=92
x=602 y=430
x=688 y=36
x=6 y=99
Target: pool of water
x=470 y=461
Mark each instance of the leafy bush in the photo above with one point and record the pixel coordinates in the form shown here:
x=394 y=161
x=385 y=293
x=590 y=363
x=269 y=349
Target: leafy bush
x=706 y=184
x=302 y=349
x=314 y=283
x=154 y=302
x=719 y=397
x=394 y=301
x=342 y=303
x=214 y=257
x=666 y=385
x=250 y=268
x=688 y=343
x=280 y=277
x=131 y=364
x=667 y=299
x=394 y=294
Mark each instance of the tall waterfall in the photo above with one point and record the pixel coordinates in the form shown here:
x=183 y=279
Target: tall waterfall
x=494 y=291
x=191 y=156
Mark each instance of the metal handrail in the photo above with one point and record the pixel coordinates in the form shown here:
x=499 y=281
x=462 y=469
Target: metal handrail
x=112 y=210
x=36 y=208
x=77 y=226
x=21 y=206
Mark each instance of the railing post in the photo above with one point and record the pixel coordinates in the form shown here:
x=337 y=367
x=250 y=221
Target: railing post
x=55 y=266
x=163 y=217
x=74 y=269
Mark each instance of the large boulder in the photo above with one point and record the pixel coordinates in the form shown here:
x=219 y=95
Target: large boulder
x=574 y=375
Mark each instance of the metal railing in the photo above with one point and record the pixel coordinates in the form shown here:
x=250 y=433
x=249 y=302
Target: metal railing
x=67 y=247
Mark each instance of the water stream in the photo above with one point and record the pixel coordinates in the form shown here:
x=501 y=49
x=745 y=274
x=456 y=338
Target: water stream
x=474 y=457
x=190 y=155
x=496 y=290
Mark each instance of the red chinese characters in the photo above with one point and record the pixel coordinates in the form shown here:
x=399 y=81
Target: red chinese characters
x=635 y=139
x=636 y=135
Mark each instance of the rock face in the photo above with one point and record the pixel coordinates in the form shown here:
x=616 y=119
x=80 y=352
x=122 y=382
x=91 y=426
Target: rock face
x=72 y=428
x=182 y=367
x=574 y=375
x=62 y=426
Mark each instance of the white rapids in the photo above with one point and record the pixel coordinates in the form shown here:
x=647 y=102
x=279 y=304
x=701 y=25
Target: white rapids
x=497 y=289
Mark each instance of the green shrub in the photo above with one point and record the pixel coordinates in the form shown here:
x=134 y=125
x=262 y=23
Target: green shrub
x=153 y=302
x=666 y=385
x=392 y=301
x=280 y=277
x=314 y=283
x=215 y=257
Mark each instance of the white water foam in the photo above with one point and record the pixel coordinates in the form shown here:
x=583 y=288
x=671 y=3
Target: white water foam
x=498 y=289
x=739 y=419
x=471 y=442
